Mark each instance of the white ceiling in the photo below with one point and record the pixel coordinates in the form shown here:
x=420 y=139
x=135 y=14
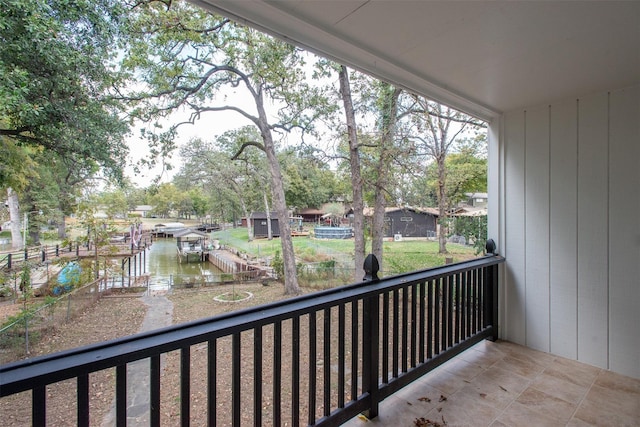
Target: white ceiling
x=484 y=57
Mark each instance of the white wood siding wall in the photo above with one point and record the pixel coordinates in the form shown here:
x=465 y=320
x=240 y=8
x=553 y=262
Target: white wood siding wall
x=569 y=224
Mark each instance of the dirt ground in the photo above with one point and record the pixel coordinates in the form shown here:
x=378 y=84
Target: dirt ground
x=109 y=318
x=197 y=304
x=113 y=317
x=116 y=316
x=7 y=310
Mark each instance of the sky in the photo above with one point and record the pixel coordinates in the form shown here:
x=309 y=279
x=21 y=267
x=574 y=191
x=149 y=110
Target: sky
x=209 y=126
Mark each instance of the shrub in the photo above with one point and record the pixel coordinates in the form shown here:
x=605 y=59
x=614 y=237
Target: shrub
x=5 y=291
x=278 y=265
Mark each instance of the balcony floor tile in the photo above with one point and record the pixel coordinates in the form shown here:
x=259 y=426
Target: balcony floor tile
x=505 y=384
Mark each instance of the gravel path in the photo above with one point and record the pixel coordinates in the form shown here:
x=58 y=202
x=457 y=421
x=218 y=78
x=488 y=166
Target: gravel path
x=159 y=315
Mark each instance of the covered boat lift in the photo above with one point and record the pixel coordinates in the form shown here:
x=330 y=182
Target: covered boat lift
x=169 y=229
x=191 y=243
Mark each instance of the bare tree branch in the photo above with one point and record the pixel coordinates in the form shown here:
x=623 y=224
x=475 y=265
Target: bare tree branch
x=246 y=144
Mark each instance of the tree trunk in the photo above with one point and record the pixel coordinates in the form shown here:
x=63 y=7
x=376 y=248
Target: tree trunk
x=377 y=222
x=389 y=115
x=245 y=210
x=62 y=227
x=356 y=178
x=442 y=206
x=14 y=216
x=291 y=286
x=248 y=216
x=34 y=235
x=268 y=214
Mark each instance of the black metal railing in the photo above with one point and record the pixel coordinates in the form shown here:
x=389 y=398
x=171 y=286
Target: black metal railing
x=318 y=359
x=40 y=254
x=34 y=254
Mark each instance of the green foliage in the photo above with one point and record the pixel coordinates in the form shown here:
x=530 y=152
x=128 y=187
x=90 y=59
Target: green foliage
x=97 y=234
x=406 y=255
x=20 y=317
x=5 y=285
x=474 y=230
x=59 y=123
x=199 y=202
x=165 y=200
x=335 y=212
x=278 y=265
x=327 y=265
x=41 y=196
x=6 y=291
x=208 y=165
x=54 y=76
x=230 y=57
x=25 y=284
x=308 y=182
x=16 y=165
x=322 y=274
x=115 y=203
x=27 y=313
x=466 y=172
x=25 y=280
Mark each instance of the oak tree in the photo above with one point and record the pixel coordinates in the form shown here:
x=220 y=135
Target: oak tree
x=190 y=59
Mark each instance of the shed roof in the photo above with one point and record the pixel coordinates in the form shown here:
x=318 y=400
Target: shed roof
x=263 y=215
x=389 y=209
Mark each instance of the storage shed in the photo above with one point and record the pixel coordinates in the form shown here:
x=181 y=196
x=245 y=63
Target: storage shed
x=408 y=222
x=259 y=223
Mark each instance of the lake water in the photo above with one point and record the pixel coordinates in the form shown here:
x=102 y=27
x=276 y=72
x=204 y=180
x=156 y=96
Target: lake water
x=165 y=269
x=163 y=265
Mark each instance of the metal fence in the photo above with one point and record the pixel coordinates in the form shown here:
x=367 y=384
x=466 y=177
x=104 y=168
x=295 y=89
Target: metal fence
x=326 y=274
x=36 y=254
x=40 y=254
x=30 y=325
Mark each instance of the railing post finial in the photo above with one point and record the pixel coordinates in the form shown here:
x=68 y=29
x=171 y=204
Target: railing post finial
x=491 y=247
x=371 y=268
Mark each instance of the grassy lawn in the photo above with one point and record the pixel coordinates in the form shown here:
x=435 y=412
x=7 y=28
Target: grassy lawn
x=402 y=256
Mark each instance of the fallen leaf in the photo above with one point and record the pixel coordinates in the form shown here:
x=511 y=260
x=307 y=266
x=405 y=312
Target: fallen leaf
x=442 y=398
x=425 y=422
x=424 y=399
x=483 y=395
